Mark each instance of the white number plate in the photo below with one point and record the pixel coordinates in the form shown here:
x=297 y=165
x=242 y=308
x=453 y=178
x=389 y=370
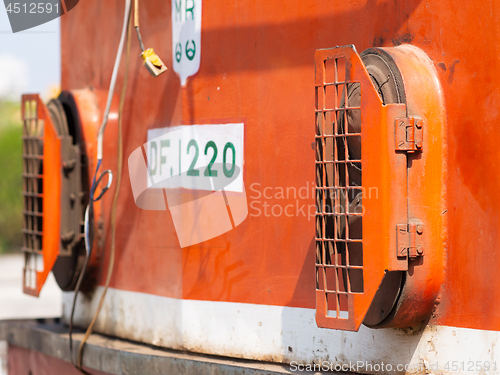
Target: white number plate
x=200 y=157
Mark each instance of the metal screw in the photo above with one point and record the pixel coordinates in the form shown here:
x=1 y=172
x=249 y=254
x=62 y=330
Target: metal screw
x=418 y=145
x=420 y=229
x=419 y=124
x=420 y=250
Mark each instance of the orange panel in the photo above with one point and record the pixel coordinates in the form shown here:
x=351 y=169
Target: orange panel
x=427 y=173
x=90 y=105
x=257 y=67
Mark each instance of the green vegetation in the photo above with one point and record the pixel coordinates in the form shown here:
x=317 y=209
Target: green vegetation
x=11 y=166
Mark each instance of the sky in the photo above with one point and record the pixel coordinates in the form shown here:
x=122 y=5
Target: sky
x=30 y=59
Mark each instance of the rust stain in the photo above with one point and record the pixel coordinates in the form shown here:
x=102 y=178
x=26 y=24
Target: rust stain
x=452 y=70
x=378 y=41
x=402 y=39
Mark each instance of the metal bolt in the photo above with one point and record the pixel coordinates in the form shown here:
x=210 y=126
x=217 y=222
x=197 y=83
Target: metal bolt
x=418 y=145
x=401 y=124
x=419 y=124
x=68 y=236
x=420 y=229
x=420 y=250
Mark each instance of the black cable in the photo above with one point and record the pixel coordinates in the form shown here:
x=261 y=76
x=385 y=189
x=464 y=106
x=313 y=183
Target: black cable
x=89 y=240
x=139 y=37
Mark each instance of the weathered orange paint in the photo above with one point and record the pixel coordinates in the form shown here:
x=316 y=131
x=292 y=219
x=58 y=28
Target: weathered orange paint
x=260 y=55
x=90 y=105
x=427 y=193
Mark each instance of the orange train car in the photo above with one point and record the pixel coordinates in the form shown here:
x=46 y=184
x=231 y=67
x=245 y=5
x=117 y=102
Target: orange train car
x=288 y=186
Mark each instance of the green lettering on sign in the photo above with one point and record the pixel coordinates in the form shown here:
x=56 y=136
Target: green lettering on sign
x=208 y=171
x=154 y=147
x=163 y=159
x=178 y=52
x=191 y=171
x=191 y=10
x=190 y=52
x=228 y=172
x=178 y=8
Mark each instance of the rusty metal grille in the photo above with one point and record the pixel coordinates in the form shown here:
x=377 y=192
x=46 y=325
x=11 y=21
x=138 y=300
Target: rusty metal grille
x=32 y=193
x=339 y=193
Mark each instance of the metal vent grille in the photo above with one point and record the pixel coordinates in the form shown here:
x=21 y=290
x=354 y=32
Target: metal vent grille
x=339 y=244
x=32 y=193
x=361 y=189
x=42 y=166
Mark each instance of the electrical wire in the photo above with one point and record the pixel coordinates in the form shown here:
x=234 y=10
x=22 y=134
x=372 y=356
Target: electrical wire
x=89 y=239
x=100 y=136
x=114 y=206
x=136 y=24
x=96 y=182
x=77 y=289
x=152 y=61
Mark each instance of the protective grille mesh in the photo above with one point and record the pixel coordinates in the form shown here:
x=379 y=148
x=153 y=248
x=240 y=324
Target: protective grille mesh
x=32 y=193
x=339 y=246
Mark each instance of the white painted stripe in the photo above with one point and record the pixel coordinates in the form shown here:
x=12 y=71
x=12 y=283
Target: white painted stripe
x=280 y=334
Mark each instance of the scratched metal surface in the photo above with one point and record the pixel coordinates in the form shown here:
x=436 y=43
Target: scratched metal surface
x=44 y=348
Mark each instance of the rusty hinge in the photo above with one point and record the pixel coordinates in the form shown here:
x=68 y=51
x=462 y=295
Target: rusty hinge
x=409 y=134
x=410 y=240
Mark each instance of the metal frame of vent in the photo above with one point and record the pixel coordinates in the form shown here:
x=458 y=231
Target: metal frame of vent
x=53 y=195
x=361 y=189
x=41 y=189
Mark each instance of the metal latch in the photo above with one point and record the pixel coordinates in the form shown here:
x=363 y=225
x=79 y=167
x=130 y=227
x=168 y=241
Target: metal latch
x=410 y=240
x=409 y=134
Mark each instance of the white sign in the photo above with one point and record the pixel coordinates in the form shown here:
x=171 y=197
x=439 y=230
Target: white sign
x=199 y=157
x=186 y=37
